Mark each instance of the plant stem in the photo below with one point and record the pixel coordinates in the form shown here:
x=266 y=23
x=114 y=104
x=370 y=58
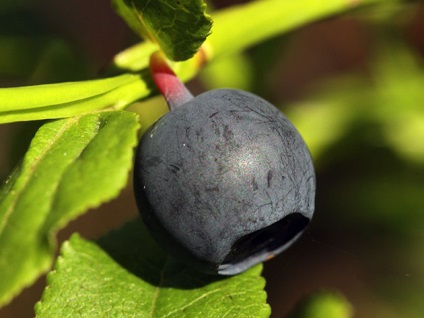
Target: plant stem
x=169 y=85
x=242 y=26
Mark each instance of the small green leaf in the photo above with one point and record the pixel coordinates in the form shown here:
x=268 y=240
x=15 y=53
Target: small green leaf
x=128 y=275
x=178 y=26
x=60 y=100
x=72 y=165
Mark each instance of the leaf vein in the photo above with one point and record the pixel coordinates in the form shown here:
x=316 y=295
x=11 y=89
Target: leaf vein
x=158 y=287
x=193 y=301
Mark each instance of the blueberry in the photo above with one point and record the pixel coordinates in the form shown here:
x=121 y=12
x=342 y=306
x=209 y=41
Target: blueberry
x=224 y=181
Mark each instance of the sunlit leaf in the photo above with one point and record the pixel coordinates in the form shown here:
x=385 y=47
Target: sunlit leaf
x=128 y=275
x=72 y=165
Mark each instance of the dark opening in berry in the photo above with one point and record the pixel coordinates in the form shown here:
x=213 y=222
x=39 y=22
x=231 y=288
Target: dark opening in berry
x=270 y=241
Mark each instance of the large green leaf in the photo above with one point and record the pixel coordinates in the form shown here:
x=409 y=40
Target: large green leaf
x=71 y=165
x=178 y=26
x=128 y=275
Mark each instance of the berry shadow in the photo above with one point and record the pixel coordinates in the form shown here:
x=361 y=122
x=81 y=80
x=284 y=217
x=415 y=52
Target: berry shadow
x=136 y=252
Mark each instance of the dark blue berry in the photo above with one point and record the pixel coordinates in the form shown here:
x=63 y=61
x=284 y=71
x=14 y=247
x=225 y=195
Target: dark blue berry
x=224 y=181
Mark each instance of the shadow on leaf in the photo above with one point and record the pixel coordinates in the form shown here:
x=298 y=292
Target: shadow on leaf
x=133 y=249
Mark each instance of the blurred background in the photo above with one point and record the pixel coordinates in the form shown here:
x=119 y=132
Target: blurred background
x=354 y=87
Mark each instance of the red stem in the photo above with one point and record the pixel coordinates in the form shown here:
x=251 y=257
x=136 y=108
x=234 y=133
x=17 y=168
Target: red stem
x=168 y=84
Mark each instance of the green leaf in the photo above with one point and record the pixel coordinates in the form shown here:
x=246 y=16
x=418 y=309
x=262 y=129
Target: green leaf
x=128 y=275
x=72 y=165
x=178 y=26
x=60 y=100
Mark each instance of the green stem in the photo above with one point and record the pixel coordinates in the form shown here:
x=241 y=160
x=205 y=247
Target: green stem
x=242 y=26
x=71 y=99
